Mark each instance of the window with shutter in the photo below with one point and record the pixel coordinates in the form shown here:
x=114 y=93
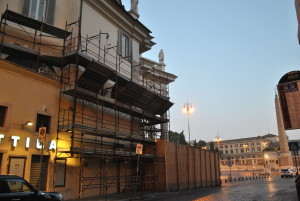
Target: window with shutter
x=50 y=12
x=125 y=46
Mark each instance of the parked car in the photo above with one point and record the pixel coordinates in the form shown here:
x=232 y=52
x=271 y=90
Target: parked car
x=16 y=188
x=287 y=173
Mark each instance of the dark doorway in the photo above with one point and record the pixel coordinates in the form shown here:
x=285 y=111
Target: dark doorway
x=38 y=174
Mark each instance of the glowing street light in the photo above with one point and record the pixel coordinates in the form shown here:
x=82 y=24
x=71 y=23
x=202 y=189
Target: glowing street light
x=188 y=109
x=218 y=139
x=245 y=146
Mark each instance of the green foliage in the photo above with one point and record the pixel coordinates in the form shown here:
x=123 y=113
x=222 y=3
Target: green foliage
x=174 y=137
x=211 y=145
x=178 y=138
x=201 y=144
x=182 y=139
x=271 y=149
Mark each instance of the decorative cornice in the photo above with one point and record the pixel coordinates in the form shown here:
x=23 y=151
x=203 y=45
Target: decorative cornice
x=118 y=16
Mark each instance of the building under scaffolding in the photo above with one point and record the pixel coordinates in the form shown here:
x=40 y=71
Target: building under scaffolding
x=109 y=100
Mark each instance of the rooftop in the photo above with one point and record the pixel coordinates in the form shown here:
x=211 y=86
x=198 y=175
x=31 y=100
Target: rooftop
x=249 y=138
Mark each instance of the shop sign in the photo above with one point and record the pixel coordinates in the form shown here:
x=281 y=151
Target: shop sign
x=15 y=140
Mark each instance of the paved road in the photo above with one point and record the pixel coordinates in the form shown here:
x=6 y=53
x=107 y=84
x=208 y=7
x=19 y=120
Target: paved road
x=269 y=189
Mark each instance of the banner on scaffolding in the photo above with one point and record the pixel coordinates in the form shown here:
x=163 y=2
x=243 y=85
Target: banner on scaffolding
x=139 y=149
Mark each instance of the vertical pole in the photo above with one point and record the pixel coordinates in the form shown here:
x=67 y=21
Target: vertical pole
x=189 y=128
x=41 y=166
x=81 y=161
x=105 y=180
x=3 y=33
x=296 y=160
x=118 y=177
x=137 y=173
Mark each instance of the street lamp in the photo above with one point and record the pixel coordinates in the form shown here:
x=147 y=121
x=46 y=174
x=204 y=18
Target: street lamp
x=265 y=155
x=188 y=109
x=245 y=147
x=218 y=139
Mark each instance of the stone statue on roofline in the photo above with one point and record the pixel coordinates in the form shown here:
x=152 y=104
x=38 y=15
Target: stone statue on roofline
x=161 y=57
x=134 y=9
x=134 y=6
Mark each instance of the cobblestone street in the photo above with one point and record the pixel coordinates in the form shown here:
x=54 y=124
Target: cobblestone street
x=270 y=189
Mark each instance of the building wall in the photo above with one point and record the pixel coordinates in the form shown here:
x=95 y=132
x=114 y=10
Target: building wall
x=26 y=94
x=14 y=5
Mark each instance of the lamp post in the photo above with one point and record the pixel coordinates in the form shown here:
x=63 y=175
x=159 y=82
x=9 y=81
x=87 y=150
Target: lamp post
x=188 y=109
x=218 y=139
x=245 y=147
x=265 y=155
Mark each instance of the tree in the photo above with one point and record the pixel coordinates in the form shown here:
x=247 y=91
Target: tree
x=178 y=138
x=201 y=144
x=174 y=137
x=182 y=138
x=211 y=145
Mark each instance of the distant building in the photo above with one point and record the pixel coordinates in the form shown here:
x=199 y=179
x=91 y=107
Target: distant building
x=252 y=152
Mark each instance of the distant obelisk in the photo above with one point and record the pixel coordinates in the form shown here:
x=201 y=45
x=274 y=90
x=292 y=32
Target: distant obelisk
x=285 y=155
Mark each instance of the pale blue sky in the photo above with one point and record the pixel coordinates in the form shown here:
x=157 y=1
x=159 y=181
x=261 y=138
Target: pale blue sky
x=229 y=56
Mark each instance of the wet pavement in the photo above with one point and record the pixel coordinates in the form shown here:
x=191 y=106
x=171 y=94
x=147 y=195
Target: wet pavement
x=266 y=189
x=269 y=189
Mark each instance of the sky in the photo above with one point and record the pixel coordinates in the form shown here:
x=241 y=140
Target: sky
x=229 y=56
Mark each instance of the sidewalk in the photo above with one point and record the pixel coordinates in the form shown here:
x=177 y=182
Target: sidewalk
x=121 y=197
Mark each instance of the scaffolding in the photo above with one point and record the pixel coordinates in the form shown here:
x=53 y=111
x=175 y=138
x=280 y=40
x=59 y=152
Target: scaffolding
x=105 y=109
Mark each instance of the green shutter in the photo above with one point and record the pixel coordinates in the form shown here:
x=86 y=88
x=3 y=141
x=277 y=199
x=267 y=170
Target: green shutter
x=25 y=7
x=130 y=50
x=50 y=12
x=120 y=42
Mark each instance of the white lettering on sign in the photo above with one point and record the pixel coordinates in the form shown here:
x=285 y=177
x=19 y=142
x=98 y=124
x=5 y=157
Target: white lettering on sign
x=1 y=137
x=52 y=145
x=27 y=142
x=15 y=140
